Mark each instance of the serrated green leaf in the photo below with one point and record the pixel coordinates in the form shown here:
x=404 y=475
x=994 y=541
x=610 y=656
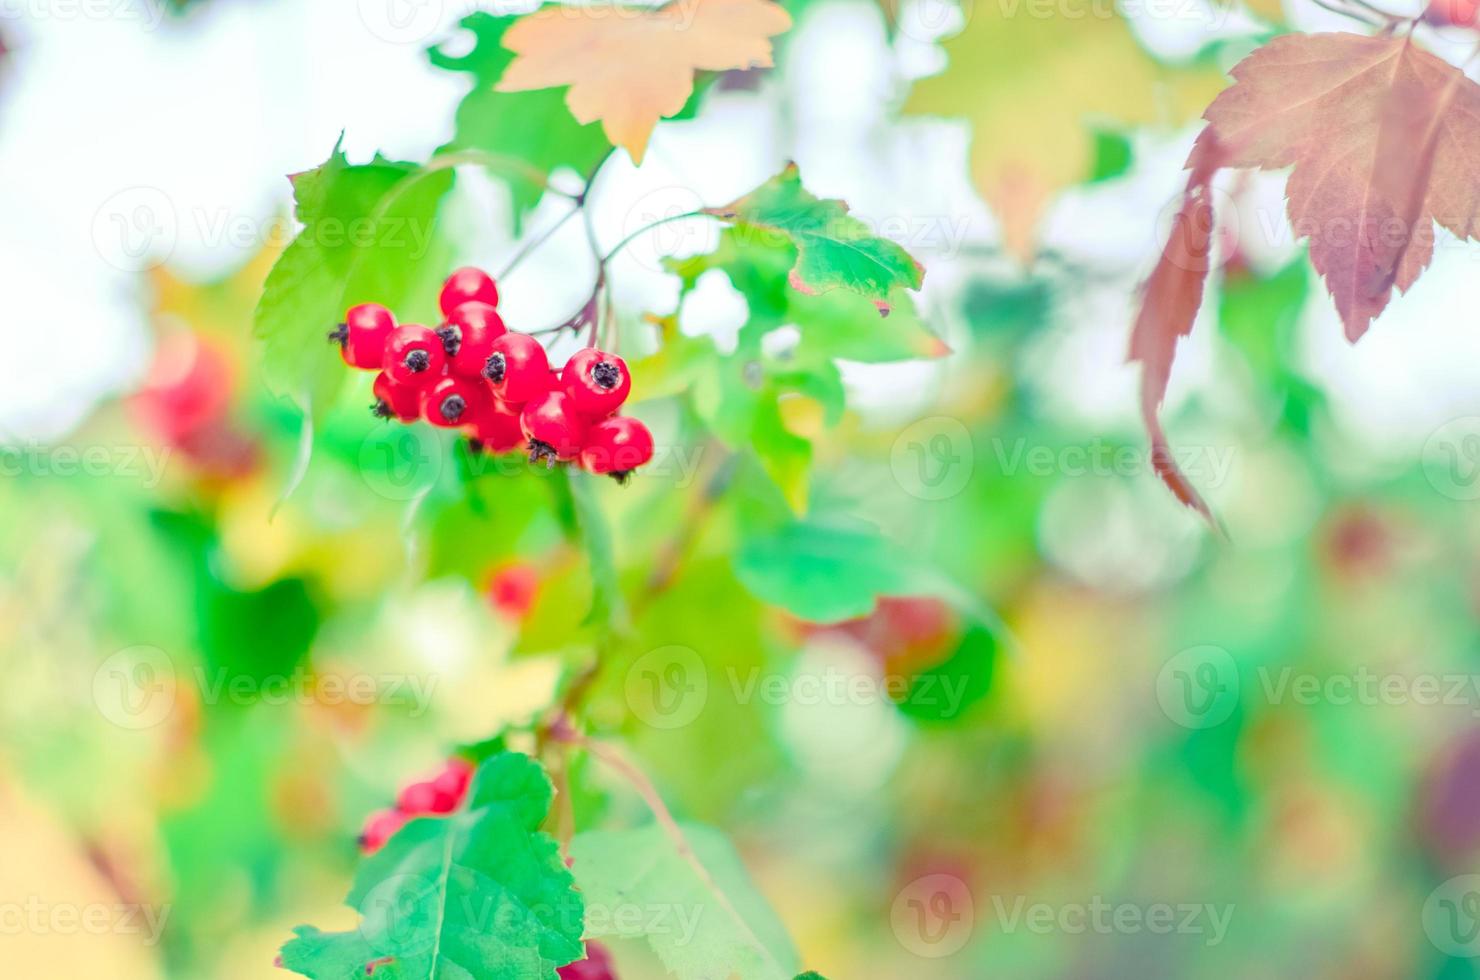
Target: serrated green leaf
x=837 y=324
x=534 y=127
x=481 y=894
x=834 y=249
x=369 y=236
x=638 y=886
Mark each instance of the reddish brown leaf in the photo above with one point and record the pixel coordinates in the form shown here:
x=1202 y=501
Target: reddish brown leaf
x=1169 y=303
x=1384 y=139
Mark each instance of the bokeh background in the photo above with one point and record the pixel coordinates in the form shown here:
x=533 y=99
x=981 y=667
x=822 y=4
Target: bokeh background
x=1126 y=747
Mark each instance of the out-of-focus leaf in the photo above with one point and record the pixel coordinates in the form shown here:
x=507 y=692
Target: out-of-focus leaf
x=823 y=572
x=608 y=608
x=943 y=692
x=1029 y=81
x=737 y=935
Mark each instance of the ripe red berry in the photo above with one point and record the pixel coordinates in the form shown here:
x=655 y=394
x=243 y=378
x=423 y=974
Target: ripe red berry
x=414 y=355
x=512 y=590
x=467 y=285
x=188 y=390
x=362 y=335
x=393 y=401
x=416 y=799
x=1452 y=13
x=455 y=401
x=495 y=427
x=617 y=446
x=553 y=427
x=468 y=337
x=597 y=382
x=380 y=828
x=451 y=785
x=596 y=966
x=518 y=370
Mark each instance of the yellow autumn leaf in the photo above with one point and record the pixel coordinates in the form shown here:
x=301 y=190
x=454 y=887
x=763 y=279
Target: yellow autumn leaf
x=630 y=67
x=1032 y=80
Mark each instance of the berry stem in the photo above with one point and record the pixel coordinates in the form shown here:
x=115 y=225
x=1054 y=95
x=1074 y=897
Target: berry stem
x=649 y=227
x=534 y=243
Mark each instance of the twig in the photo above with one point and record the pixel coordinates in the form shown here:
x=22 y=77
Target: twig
x=534 y=243
x=644 y=787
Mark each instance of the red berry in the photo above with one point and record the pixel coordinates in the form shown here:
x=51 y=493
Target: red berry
x=596 y=966
x=1452 y=13
x=416 y=799
x=553 y=427
x=455 y=401
x=468 y=337
x=188 y=389
x=380 y=828
x=414 y=355
x=512 y=589
x=452 y=784
x=518 y=370
x=465 y=286
x=362 y=335
x=393 y=401
x=495 y=427
x=617 y=446
x=596 y=381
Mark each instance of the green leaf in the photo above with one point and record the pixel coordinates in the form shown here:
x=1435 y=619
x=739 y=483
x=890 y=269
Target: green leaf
x=834 y=249
x=1112 y=157
x=534 y=127
x=369 y=236
x=608 y=609
x=714 y=923
x=478 y=895
x=837 y=324
x=823 y=571
x=943 y=692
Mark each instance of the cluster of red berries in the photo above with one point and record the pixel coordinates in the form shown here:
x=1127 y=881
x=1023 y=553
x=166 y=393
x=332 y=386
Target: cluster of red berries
x=475 y=374
x=433 y=797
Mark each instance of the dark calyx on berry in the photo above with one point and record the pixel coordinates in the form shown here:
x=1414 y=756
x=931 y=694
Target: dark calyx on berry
x=451 y=338
x=606 y=374
x=339 y=335
x=453 y=407
x=418 y=361
x=494 y=369
x=543 y=451
x=382 y=409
